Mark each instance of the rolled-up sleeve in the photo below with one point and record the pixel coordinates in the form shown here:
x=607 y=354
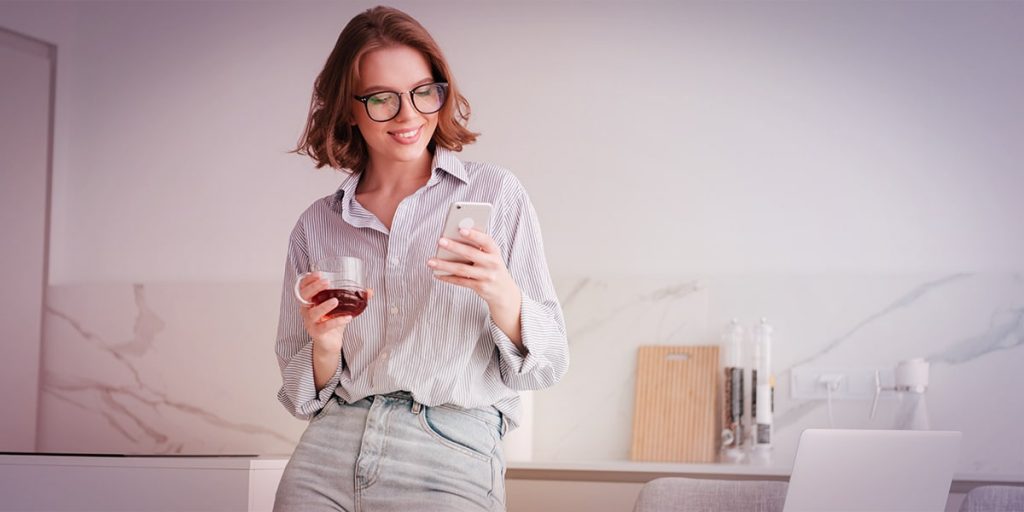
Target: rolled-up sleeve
x=542 y=323
x=294 y=346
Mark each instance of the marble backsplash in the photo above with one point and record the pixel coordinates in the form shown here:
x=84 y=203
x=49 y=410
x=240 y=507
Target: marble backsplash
x=161 y=368
x=970 y=327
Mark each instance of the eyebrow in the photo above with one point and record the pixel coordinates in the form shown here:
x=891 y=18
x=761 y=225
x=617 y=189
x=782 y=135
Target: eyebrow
x=380 y=88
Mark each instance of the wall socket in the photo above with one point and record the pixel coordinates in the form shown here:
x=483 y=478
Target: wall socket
x=809 y=382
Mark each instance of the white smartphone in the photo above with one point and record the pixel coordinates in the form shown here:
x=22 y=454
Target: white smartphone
x=467 y=215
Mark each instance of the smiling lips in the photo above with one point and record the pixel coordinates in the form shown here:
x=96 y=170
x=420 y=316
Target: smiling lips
x=407 y=137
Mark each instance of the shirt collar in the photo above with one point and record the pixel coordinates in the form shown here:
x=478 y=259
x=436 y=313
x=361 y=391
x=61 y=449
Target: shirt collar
x=444 y=160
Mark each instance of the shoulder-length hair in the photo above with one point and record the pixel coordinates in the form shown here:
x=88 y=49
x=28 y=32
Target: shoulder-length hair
x=330 y=138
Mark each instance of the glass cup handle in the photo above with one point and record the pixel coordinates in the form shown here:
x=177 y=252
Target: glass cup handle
x=297 y=296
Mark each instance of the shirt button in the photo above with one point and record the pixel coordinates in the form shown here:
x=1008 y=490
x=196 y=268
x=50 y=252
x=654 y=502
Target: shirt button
x=394 y=310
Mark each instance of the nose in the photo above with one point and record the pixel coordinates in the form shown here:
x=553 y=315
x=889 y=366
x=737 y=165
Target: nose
x=406 y=110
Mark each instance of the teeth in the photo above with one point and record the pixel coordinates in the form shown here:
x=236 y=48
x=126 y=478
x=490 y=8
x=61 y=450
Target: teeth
x=408 y=135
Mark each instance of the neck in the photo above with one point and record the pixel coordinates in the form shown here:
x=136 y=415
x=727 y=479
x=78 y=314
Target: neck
x=393 y=177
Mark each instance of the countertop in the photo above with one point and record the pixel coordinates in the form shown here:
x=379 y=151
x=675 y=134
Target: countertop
x=593 y=471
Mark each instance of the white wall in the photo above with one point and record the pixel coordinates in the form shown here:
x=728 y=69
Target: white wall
x=26 y=77
x=710 y=137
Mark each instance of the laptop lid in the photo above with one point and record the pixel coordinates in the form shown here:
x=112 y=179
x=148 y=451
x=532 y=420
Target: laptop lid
x=872 y=471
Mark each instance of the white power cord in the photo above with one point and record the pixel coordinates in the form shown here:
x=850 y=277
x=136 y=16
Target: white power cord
x=831 y=383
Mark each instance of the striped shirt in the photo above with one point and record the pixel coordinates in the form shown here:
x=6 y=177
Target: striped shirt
x=419 y=334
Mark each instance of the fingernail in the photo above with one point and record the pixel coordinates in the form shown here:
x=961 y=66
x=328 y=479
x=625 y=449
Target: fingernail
x=443 y=242
x=431 y=263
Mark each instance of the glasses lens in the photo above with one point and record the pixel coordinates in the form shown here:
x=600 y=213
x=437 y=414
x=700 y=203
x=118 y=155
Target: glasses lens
x=382 y=106
x=429 y=98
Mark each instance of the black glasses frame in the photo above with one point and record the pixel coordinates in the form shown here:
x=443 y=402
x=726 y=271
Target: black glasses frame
x=365 y=99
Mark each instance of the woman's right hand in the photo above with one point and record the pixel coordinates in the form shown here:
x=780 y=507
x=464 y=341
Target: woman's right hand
x=326 y=333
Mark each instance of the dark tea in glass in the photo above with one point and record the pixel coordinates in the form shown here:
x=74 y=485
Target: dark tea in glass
x=350 y=301
x=346 y=282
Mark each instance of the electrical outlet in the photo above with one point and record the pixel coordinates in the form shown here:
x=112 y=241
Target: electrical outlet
x=809 y=382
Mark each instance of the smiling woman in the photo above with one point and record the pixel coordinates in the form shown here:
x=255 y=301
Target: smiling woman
x=410 y=400
x=331 y=137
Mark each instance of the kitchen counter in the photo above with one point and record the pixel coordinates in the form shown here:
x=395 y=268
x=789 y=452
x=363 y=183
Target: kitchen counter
x=246 y=482
x=630 y=471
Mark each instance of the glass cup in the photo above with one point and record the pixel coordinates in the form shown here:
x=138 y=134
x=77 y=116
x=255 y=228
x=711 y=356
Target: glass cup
x=346 y=283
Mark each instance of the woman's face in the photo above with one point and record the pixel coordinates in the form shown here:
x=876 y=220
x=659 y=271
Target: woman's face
x=404 y=138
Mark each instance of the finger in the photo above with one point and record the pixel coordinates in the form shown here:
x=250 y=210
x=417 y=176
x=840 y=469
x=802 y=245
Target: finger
x=460 y=281
x=481 y=240
x=469 y=252
x=316 y=313
x=309 y=278
x=459 y=269
x=335 y=323
x=310 y=290
x=369 y=293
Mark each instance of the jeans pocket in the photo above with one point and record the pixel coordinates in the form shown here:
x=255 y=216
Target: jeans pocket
x=459 y=432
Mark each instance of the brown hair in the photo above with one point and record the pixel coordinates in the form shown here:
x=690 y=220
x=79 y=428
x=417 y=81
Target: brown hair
x=330 y=138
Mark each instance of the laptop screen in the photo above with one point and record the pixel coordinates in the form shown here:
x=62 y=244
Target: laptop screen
x=872 y=471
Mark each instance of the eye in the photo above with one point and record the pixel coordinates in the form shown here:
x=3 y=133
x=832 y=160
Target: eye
x=427 y=90
x=377 y=100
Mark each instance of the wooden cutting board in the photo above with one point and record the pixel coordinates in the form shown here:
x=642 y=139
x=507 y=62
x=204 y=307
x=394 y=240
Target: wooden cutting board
x=674 y=417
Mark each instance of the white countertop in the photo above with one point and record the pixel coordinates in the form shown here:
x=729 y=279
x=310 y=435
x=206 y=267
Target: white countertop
x=740 y=470
x=243 y=462
x=621 y=471
x=626 y=466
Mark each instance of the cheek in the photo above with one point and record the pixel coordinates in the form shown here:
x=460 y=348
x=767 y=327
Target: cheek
x=369 y=129
x=366 y=126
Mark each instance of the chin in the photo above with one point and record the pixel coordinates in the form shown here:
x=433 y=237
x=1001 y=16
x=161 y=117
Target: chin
x=409 y=154
x=399 y=153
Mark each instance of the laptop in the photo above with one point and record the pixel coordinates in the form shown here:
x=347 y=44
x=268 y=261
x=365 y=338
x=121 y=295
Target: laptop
x=872 y=471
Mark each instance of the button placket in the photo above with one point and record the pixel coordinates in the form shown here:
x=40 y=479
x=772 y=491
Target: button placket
x=393 y=270
x=397 y=249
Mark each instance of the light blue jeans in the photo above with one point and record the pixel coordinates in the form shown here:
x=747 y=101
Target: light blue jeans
x=389 y=453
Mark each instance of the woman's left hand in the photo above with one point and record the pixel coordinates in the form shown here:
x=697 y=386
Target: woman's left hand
x=486 y=274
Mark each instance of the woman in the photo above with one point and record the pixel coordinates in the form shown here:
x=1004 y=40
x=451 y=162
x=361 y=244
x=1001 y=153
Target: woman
x=409 y=401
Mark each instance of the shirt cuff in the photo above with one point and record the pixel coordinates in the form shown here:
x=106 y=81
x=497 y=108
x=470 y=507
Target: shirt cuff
x=299 y=393
x=531 y=318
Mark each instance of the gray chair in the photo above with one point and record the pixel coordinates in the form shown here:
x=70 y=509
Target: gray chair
x=702 y=495
x=994 y=498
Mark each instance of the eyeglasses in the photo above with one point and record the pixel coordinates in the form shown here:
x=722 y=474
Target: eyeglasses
x=385 y=105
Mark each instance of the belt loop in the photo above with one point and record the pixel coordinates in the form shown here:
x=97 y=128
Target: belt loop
x=416 y=406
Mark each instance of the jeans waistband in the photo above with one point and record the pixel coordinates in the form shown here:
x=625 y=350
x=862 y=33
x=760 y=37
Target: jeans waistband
x=487 y=414
x=400 y=395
